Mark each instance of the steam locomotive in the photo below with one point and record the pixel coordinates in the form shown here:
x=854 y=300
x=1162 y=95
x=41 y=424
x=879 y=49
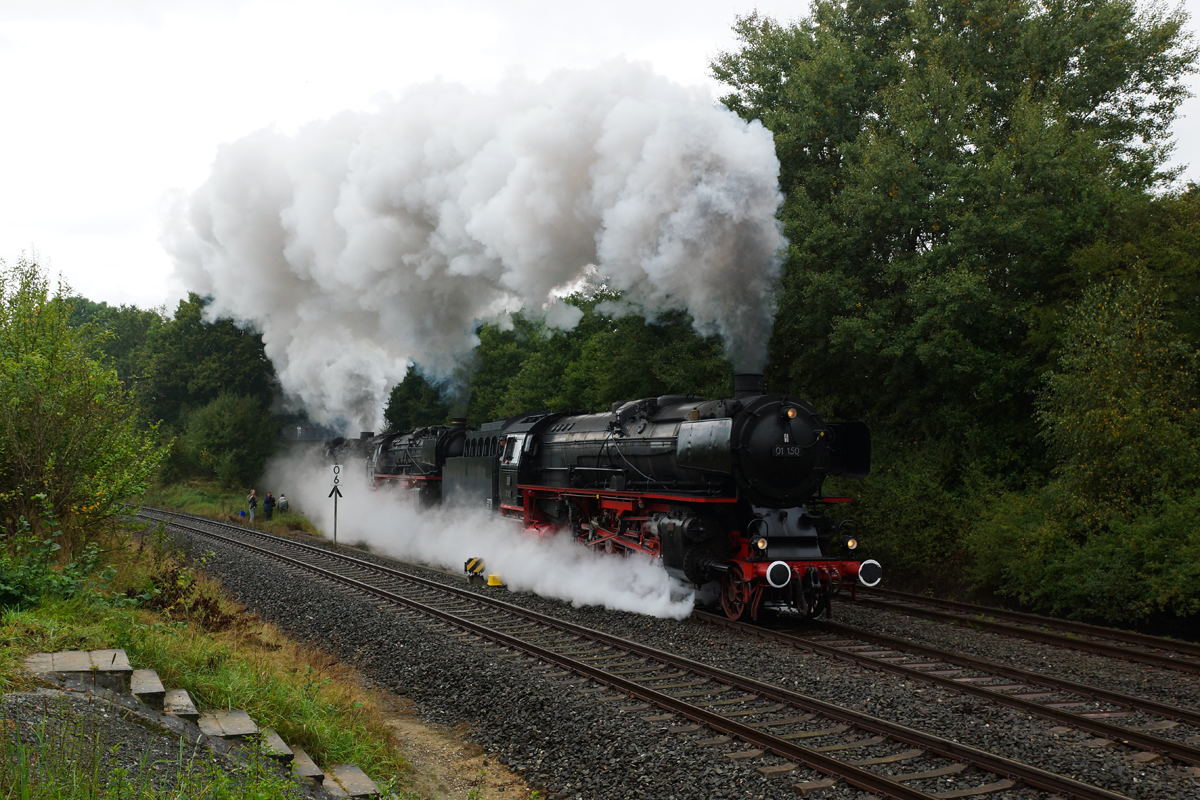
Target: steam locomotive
x=727 y=493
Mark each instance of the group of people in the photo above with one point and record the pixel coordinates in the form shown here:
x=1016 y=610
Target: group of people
x=269 y=505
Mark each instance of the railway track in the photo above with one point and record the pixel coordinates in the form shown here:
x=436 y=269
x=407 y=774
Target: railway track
x=1065 y=702
x=1151 y=650
x=784 y=731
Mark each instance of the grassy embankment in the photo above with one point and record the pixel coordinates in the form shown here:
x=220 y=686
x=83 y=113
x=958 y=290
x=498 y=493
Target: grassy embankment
x=208 y=499
x=168 y=617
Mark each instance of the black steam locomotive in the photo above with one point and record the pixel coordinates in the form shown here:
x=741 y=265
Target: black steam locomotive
x=726 y=492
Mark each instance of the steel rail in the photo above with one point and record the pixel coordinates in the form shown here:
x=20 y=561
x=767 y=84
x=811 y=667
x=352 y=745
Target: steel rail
x=1131 y=637
x=860 y=778
x=1155 y=744
x=1058 y=640
x=1032 y=776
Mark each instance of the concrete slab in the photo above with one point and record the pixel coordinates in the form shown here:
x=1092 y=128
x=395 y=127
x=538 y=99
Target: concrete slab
x=892 y=758
x=179 y=703
x=855 y=745
x=274 y=747
x=39 y=662
x=715 y=741
x=1160 y=725
x=776 y=769
x=354 y=781
x=331 y=787
x=110 y=660
x=304 y=767
x=1098 y=742
x=107 y=668
x=72 y=661
x=953 y=769
x=145 y=686
x=1145 y=758
x=234 y=723
x=209 y=726
x=815 y=734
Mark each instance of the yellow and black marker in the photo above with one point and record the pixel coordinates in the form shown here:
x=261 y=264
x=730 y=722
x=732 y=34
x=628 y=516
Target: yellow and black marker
x=474 y=568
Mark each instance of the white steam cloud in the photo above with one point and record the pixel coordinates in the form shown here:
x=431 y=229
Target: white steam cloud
x=556 y=567
x=370 y=241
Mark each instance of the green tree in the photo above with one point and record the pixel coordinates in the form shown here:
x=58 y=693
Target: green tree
x=1157 y=236
x=122 y=334
x=1114 y=534
x=231 y=438
x=70 y=446
x=415 y=403
x=193 y=361
x=605 y=358
x=943 y=166
x=1120 y=410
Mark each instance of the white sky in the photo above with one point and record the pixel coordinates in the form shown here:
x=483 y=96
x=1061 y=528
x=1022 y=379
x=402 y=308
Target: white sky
x=109 y=104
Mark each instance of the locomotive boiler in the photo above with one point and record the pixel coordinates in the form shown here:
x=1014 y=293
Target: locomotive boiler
x=727 y=493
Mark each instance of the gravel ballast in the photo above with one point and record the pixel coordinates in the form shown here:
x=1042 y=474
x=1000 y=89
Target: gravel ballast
x=561 y=739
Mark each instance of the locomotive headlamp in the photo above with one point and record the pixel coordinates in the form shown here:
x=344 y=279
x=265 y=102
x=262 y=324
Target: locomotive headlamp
x=852 y=543
x=792 y=412
x=761 y=543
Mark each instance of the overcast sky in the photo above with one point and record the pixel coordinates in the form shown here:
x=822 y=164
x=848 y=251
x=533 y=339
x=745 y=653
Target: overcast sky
x=109 y=105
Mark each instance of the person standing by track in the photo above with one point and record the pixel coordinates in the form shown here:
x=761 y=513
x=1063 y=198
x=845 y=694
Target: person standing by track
x=252 y=502
x=268 y=506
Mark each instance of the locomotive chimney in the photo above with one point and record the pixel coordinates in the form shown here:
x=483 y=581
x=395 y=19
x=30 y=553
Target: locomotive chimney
x=458 y=422
x=364 y=435
x=747 y=384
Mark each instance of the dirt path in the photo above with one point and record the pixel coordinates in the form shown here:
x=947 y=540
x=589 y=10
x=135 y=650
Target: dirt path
x=445 y=763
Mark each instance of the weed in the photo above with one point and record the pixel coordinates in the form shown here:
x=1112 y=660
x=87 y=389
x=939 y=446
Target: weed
x=476 y=790
x=28 y=561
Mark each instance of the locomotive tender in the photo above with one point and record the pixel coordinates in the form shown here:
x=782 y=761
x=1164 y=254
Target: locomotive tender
x=726 y=492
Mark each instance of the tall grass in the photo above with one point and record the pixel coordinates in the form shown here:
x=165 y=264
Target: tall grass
x=208 y=499
x=61 y=758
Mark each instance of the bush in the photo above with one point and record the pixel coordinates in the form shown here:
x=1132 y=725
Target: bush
x=911 y=513
x=231 y=438
x=27 y=565
x=68 y=436
x=1113 y=535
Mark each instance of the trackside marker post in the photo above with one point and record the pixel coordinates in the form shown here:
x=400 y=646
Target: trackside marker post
x=335 y=493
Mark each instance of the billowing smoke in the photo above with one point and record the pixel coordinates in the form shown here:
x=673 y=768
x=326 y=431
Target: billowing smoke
x=370 y=241
x=557 y=567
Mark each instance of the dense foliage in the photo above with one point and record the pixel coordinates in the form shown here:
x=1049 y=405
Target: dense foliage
x=70 y=444
x=970 y=191
x=607 y=357
x=207 y=383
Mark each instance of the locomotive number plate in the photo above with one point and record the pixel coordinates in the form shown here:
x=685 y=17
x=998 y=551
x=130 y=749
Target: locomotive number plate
x=787 y=451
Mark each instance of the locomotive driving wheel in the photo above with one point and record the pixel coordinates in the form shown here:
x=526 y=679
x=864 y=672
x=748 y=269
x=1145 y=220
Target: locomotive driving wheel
x=817 y=592
x=739 y=598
